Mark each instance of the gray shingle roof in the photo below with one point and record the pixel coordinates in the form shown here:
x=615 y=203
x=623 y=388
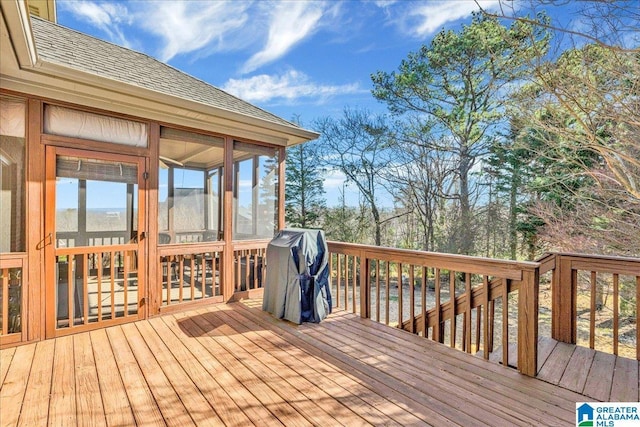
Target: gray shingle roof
x=70 y=48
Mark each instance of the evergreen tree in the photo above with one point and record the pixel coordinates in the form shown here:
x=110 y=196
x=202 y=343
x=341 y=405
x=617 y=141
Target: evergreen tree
x=304 y=190
x=458 y=84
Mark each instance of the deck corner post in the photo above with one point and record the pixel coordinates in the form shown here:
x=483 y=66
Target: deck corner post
x=563 y=309
x=528 y=322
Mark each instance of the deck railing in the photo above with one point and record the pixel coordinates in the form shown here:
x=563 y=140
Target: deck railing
x=469 y=303
x=250 y=263
x=12 y=286
x=594 y=301
x=486 y=305
x=190 y=273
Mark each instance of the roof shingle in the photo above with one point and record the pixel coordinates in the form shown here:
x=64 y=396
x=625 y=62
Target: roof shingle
x=64 y=46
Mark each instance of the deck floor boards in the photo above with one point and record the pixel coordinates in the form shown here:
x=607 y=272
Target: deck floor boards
x=625 y=380
x=62 y=401
x=577 y=370
x=594 y=374
x=598 y=385
x=14 y=386
x=232 y=364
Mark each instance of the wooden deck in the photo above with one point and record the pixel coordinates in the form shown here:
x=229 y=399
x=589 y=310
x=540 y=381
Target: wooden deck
x=233 y=364
x=597 y=375
x=594 y=374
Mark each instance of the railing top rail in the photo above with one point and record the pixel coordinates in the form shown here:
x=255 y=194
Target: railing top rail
x=79 y=250
x=477 y=265
x=250 y=244
x=588 y=256
x=588 y=262
x=189 y=249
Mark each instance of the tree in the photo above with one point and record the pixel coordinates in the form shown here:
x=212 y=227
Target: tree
x=304 y=188
x=418 y=177
x=355 y=145
x=347 y=223
x=459 y=84
x=583 y=106
x=584 y=112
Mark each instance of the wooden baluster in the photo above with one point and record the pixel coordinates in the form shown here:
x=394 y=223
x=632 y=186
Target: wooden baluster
x=467 y=314
x=478 y=321
x=5 y=302
x=237 y=257
x=192 y=275
x=365 y=286
x=203 y=281
x=346 y=282
x=452 y=302
x=387 y=279
x=338 y=281
x=616 y=314
x=592 y=314
x=400 y=266
x=255 y=270
x=125 y=282
x=247 y=271
x=354 y=279
x=505 y=322
x=492 y=324
x=412 y=301
x=112 y=273
x=423 y=302
x=99 y=279
x=70 y=283
x=437 y=328
x=377 y=290
x=487 y=318
x=181 y=277
x=85 y=289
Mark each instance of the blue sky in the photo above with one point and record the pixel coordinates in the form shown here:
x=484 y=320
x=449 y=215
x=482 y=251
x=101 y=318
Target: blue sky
x=305 y=59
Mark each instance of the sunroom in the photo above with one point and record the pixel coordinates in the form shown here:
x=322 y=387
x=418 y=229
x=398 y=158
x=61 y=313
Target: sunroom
x=128 y=187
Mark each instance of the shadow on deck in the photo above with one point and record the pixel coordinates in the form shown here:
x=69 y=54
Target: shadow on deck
x=233 y=364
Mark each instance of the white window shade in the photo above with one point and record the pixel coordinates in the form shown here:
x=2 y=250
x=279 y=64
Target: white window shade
x=12 y=117
x=96 y=127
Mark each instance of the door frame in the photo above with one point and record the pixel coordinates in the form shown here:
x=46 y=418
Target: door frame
x=50 y=241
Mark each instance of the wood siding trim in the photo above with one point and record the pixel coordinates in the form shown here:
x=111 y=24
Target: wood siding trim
x=227 y=254
x=154 y=283
x=34 y=286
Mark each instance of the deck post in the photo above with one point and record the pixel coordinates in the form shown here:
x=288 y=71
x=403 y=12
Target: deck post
x=228 y=276
x=528 y=322
x=563 y=309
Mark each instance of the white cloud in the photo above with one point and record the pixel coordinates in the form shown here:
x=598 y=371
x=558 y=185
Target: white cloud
x=107 y=16
x=424 y=19
x=290 y=86
x=384 y=3
x=289 y=24
x=334 y=180
x=191 y=26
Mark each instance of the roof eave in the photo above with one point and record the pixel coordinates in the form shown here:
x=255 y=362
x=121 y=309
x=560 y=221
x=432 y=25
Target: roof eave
x=292 y=134
x=15 y=15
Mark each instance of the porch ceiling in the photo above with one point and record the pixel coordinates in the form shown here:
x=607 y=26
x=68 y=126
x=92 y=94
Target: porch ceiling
x=237 y=365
